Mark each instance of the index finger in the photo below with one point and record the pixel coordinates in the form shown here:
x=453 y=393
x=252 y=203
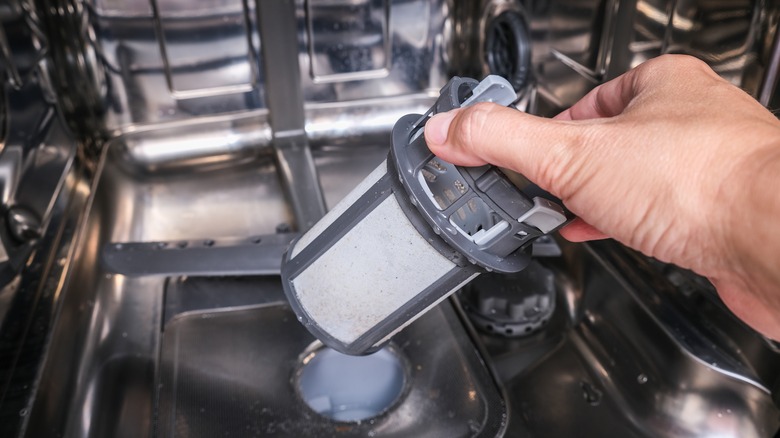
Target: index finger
x=606 y=100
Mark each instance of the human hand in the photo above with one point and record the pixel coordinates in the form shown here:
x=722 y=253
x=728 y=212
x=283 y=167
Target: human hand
x=669 y=159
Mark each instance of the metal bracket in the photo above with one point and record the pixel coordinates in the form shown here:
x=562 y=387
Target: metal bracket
x=278 y=31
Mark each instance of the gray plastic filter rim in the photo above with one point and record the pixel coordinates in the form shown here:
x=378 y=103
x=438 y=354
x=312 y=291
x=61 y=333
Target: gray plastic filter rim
x=404 y=161
x=398 y=391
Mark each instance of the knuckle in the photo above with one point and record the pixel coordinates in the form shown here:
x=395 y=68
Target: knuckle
x=569 y=161
x=676 y=64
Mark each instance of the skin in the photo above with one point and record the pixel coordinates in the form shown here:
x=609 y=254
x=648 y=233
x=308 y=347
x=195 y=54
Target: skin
x=669 y=159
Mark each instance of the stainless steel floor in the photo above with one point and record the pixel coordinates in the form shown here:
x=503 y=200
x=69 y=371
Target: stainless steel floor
x=101 y=365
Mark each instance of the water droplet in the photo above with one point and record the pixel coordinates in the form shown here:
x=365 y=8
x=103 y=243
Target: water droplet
x=720 y=414
x=641 y=379
x=23 y=412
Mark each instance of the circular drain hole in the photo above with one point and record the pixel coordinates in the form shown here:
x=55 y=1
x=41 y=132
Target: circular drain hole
x=351 y=388
x=508 y=48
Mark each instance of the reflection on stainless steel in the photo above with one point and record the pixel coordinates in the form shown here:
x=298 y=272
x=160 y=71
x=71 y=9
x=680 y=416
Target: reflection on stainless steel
x=376 y=57
x=22 y=43
x=197 y=143
x=348 y=39
x=572 y=25
x=10 y=167
x=41 y=215
x=219 y=141
x=171 y=60
x=174 y=96
x=769 y=83
x=360 y=122
x=638 y=359
x=207 y=46
x=42 y=201
x=166 y=60
x=118 y=317
x=448 y=390
x=103 y=384
x=583 y=43
x=73 y=59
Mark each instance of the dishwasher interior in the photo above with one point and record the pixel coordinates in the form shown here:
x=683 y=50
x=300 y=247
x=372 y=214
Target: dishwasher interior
x=159 y=155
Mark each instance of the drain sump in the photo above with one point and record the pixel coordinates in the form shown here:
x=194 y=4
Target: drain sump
x=350 y=388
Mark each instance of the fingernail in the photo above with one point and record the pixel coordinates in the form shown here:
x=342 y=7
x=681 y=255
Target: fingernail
x=437 y=128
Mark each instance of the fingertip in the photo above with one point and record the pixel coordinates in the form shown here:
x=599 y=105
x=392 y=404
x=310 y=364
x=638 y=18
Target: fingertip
x=564 y=115
x=581 y=231
x=437 y=128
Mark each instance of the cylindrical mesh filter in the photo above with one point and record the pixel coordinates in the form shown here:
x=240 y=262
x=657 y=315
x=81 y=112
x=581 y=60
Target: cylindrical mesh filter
x=414 y=231
x=364 y=267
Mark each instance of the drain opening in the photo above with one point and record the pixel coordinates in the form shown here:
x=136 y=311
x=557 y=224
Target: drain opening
x=351 y=388
x=508 y=48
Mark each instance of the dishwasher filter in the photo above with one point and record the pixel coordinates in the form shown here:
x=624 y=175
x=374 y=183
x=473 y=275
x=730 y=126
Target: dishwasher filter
x=413 y=232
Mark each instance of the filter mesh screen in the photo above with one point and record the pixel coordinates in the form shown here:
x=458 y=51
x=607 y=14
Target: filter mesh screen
x=340 y=208
x=378 y=266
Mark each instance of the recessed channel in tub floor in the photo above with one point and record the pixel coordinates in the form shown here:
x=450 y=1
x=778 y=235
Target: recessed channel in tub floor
x=351 y=388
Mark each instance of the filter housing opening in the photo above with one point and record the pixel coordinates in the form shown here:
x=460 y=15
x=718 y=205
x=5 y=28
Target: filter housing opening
x=442 y=182
x=350 y=388
x=445 y=186
x=478 y=222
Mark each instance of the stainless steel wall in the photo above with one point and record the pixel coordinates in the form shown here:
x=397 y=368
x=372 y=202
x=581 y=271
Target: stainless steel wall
x=133 y=64
x=578 y=44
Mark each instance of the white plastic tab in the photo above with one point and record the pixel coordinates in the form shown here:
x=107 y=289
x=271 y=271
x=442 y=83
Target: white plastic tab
x=544 y=215
x=492 y=89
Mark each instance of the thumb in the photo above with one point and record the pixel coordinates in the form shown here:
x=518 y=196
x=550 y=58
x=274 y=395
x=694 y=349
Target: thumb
x=543 y=150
